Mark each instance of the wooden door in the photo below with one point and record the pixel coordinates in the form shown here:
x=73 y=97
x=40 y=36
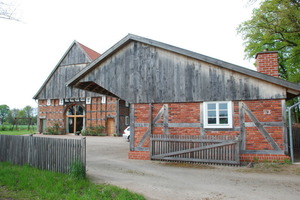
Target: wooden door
x=111 y=130
x=42 y=125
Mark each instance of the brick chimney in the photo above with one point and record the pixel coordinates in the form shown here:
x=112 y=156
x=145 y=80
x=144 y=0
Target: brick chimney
x=267 y=63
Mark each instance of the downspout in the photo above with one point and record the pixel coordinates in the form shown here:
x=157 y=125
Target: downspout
x=290 y=131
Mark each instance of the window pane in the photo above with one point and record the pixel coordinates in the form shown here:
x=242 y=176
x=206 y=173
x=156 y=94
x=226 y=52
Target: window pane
x=223 y=106
x=79 y=110
x=211 y=114
x=223 y=114
x=71 y=110
x=211 y=106
x=79 y=124
x=212 y=120
x=223 y=120
x=70 y=125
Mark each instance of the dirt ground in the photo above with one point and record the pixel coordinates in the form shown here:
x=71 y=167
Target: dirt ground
x=107 y=162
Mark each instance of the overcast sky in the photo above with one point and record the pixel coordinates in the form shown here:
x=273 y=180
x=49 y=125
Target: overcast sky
x=29 y=50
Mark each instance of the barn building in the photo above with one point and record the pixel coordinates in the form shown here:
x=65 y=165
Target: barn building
x=73 y=109
x=185 y=106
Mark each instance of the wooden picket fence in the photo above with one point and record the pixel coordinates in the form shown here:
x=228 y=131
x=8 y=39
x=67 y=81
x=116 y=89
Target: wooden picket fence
x=53 y=154
x=196 y=148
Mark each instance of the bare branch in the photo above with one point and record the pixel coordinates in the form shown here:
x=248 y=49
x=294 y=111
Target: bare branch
x=8 y=11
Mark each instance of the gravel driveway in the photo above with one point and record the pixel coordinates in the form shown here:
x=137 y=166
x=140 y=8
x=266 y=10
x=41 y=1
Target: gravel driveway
x=107 y=162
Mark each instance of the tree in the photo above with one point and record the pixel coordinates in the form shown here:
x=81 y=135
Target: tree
x=275 y=26
x=13 y=113
x=8 y=11
x=28 y=111
x=4 y=110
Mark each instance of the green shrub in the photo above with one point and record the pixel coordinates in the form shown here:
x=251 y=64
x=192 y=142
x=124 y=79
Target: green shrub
x=287 y=161
x=93 y=131
x=6 y=126
x=77 y=170
x=55 y=130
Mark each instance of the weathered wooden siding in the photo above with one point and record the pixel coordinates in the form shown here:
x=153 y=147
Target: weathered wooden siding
x=141 y=73
x=75 y=56
x=72 y=63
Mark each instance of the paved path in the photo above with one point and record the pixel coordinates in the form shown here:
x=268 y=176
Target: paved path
x=107 y=163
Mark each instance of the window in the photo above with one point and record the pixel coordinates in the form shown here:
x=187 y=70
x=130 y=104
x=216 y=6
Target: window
x=61 y=102
x=88 y=100
x=103 y=99
x=217 y=114
x=126 y=120
x=48 y=102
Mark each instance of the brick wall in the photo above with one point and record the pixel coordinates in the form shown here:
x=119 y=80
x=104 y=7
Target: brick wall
x=263 y=110
x=139 y=155
x=53 y=113
x=267 y=63
x=96 y=112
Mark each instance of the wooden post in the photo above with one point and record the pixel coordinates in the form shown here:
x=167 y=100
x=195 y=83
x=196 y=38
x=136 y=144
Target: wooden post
x=131 y=127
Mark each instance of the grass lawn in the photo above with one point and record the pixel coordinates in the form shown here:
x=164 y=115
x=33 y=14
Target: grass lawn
x=22 y=130
x=24 y=182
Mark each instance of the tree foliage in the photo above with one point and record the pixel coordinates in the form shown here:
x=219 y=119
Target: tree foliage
x=25 y=113
x=4 y=110
x=28 y=111
x=275 y=26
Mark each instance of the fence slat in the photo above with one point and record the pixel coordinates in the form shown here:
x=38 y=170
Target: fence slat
x=54 y=154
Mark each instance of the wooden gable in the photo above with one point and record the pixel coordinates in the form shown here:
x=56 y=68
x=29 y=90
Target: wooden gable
x=73 y=61
x=140 y=71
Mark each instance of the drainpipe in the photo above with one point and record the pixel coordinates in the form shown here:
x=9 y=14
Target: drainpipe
x=290 y=131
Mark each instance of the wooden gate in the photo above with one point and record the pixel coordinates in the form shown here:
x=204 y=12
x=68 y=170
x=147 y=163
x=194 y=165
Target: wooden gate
x=196 y=148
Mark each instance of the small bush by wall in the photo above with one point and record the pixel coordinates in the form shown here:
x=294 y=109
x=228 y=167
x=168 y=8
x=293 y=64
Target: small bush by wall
x=55 y=130
x=94 y=131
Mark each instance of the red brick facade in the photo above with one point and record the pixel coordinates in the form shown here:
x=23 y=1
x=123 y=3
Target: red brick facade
x=96 y=112
x=265 y=111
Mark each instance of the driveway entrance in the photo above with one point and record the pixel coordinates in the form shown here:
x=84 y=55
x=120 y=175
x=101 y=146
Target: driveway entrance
x=107 y=163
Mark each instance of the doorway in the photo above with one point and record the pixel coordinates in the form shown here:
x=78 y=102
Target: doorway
x=42 y=126
x=111 y=127
x=75 y=116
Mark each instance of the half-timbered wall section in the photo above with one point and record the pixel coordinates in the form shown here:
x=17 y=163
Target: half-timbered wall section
x=258 y=124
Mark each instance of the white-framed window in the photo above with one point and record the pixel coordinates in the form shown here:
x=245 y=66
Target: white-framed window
x=217 y=114
x=48 y=102
x=88 y=100
x=103 y=99
x=61 y=102
x=126 y=104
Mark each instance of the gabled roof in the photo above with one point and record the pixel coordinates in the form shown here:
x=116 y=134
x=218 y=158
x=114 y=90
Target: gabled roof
x=89 y=53
x=291 y=88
